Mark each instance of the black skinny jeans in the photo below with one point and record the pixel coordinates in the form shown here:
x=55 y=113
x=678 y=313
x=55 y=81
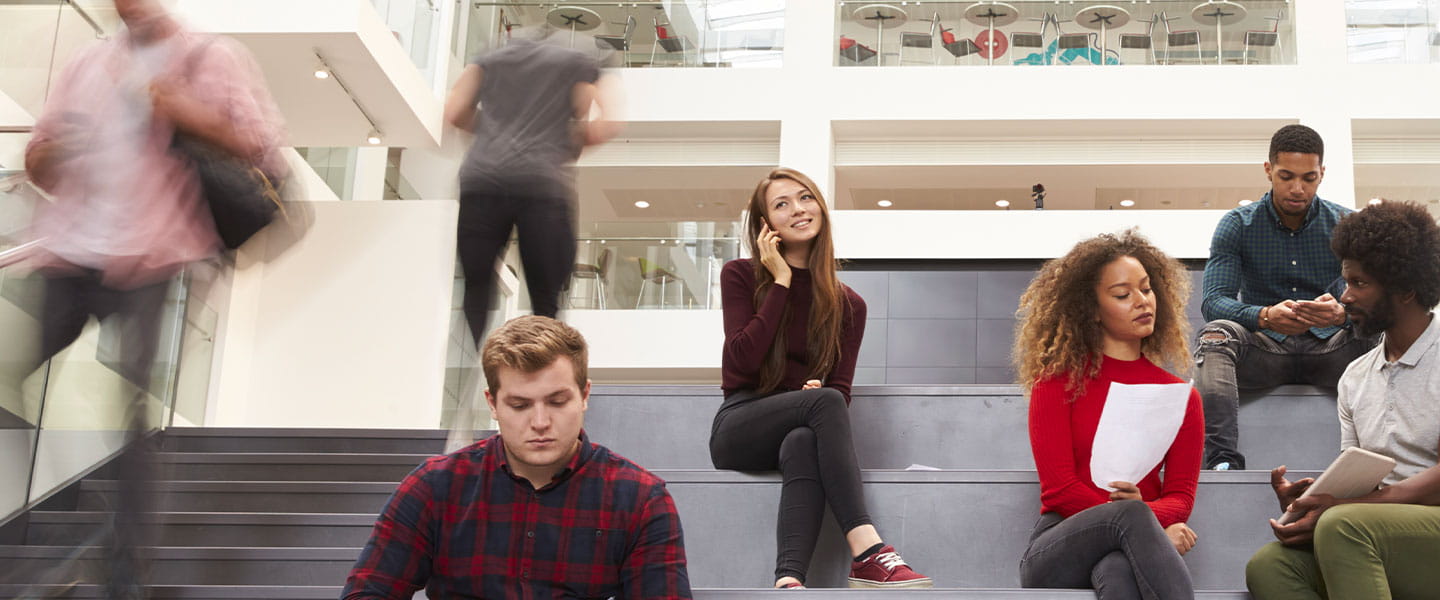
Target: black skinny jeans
x=543 y=215
x=806 y=435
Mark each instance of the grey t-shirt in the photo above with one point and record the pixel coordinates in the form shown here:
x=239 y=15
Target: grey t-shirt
x=524 y=126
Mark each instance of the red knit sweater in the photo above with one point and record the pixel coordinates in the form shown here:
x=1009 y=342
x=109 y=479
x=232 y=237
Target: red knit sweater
x=749 y=332
x=1062 y=432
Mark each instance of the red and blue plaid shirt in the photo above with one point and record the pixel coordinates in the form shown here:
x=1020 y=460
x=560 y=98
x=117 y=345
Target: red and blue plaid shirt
x=464 y=526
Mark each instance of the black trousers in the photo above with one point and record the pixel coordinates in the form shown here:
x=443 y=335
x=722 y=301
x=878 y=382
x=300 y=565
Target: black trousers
x=134 y=315
x=543 y=215
x=806 y=435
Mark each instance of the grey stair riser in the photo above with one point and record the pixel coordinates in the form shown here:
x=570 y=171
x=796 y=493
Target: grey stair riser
x=225 y=535
x=340 y=445
x=1292 y=426
x=181 y=571
x=729 y=527
x=317 y=593
x=285 y=472
x=241 y=500
x=730 y=535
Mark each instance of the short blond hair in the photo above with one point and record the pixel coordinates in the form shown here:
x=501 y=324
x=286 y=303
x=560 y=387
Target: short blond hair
x=531 y=343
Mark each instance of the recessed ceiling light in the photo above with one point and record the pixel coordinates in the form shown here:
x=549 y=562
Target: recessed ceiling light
x=885 y=204
x=642 y=204
x=1246 y=202
x=1127 y=203
x=1374 y=201
x=1002 y=203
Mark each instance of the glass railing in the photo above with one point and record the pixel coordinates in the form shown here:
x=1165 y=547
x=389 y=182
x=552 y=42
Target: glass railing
x=414 y=24
x=1048 y=32
x=60 y=418
x=40 y=38
x=667 y=33
x=1393 y=31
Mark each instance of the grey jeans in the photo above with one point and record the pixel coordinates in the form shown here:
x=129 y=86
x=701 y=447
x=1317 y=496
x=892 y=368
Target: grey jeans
x=1116 y=548
x=1230 y=359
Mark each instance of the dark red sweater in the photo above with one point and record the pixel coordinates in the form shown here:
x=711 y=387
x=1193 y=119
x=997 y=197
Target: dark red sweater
x=1062 y=433
x=749 y=333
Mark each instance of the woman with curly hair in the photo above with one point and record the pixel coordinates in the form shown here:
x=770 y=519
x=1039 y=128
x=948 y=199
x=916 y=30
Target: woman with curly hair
x=792 y=331
x=1105 y=313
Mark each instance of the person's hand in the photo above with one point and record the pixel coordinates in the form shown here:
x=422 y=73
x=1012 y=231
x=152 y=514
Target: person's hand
x=171 y=101
x=1287 y=492
x=1281 y=318
x=1324 y=311
x=812 y=384
x=1124 y=490
x=1302 y=530
x=769 y=243
x=1182 y=537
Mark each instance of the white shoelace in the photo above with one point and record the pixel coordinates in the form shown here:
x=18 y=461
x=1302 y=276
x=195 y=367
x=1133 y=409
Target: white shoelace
x=890 y=560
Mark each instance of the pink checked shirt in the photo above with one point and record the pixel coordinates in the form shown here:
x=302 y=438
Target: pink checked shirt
x=124 y=205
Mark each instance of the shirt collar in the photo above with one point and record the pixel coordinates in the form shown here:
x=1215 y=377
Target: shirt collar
x=576 y=462
x=1275 y=216
x=1422 y=344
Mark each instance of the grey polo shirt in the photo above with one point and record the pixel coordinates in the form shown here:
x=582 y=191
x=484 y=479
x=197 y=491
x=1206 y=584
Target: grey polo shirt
x=1393 y=408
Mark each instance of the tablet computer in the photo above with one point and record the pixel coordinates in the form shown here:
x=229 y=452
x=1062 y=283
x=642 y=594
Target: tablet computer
x=1355 y=472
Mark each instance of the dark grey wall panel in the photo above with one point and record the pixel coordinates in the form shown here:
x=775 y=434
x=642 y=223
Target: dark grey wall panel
x=932 y=294
x=930 y=343
x=950 y=317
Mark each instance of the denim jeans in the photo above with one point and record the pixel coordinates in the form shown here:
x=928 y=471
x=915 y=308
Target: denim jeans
x=1116 y=548
x=1230 y=359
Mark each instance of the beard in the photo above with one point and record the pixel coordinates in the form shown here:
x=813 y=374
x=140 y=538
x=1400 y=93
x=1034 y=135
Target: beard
x=1376 y=320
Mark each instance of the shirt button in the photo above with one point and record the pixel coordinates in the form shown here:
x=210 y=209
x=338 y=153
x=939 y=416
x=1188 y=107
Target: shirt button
x=530 y=534
x=1294 y=290
x=1292 y=262
x=524 y=573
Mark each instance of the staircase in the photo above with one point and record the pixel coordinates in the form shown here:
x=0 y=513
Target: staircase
x=282 y=513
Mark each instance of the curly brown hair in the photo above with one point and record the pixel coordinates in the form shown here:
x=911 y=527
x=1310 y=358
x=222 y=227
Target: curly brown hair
x=1059 y=330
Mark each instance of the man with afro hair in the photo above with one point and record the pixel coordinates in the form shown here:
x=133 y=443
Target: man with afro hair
x=1382 y=544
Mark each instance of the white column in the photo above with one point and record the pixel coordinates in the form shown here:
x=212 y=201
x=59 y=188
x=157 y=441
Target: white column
x=369 y=176
x=807 y=143
x=1339 y=183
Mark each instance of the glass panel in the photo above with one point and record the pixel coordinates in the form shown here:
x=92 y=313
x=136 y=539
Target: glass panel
x=1392 y=31
x=413 y=22
x=667 y=33
x=336 y=166
x=1046 y=32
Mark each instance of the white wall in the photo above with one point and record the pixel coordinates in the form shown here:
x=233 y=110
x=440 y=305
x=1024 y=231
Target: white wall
x=347 y=328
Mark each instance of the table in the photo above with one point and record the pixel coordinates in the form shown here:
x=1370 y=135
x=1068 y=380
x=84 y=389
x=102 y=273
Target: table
x=1102 y=17
x=882 y=15
x=991 y=15
x=1218 y=13
x=574 y=18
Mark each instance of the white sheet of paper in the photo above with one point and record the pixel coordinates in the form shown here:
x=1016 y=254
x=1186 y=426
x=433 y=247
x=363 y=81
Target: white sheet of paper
x=1137 y=427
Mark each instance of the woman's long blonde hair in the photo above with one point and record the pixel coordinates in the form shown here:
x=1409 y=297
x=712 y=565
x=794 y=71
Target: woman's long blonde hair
x=828 y=301
x=1059 y=330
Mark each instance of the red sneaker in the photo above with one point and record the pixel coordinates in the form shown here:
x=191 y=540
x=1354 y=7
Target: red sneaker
x=885 y=569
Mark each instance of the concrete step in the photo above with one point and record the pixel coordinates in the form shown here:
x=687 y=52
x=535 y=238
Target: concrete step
x=336 y=530
x=261 y=592
x=729 y=520
x=183 y=566
x=342 y=441
x=282 y=466
x=954 y=427
x=935 y=518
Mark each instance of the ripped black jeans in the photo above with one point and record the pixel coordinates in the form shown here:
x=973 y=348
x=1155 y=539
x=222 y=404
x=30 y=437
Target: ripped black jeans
x=1230 y=359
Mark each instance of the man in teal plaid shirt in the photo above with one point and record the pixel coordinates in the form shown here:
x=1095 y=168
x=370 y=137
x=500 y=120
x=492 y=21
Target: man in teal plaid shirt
x=1270 y=295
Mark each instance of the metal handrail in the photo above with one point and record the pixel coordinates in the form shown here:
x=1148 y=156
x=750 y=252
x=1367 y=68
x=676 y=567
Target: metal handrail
x=19 y=253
